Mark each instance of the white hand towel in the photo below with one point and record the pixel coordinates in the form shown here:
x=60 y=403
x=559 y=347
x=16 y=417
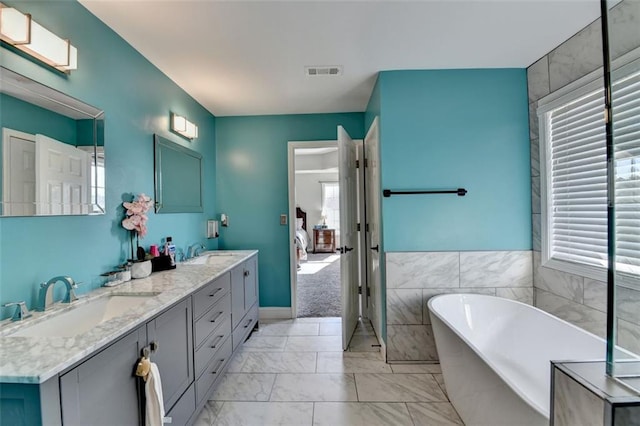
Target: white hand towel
x=155 y=402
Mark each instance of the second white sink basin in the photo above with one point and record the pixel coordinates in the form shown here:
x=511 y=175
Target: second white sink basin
x=210 y=259
x=84 y=316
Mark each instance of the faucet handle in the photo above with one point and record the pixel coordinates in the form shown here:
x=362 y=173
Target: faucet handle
x=21 y=311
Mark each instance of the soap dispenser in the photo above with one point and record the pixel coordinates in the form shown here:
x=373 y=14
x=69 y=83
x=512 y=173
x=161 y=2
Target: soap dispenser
x=170 y=250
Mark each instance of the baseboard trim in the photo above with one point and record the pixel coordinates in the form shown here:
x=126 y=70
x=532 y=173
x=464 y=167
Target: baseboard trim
x=275 y=313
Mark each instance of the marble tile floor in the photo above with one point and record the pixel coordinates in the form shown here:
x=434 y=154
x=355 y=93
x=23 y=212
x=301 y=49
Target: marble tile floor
x=294 y=372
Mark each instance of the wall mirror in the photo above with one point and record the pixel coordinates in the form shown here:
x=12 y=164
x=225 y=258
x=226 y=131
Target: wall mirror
x=178 y=178
x=52 y=151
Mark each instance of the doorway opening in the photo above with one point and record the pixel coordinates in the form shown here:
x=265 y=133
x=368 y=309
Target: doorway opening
x=316 y=197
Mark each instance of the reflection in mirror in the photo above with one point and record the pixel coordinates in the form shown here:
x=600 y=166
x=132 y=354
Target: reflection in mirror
x=178 y=178
x=52 y=151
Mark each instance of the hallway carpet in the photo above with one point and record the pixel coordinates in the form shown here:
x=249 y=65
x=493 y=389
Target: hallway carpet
x=318 y=292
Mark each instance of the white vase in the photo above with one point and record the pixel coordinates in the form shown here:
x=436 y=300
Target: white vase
x=141 y=269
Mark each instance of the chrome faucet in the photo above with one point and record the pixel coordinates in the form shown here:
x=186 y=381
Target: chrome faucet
x=195 y=250
x=21 y=311
x=45 y=299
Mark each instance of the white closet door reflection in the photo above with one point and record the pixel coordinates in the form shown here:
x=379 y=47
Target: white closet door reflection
x=63 y=178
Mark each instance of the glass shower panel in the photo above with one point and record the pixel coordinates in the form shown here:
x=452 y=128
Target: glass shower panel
x=622 y=39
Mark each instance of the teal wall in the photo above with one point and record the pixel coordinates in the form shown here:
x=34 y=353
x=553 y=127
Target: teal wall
x=137 y=99
x=444 y=129
x=252 y=186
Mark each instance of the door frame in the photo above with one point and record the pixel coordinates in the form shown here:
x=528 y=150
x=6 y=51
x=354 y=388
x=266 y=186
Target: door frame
x=375 y=315
x=291 y=150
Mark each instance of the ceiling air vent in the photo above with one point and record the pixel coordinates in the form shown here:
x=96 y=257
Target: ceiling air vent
x=326 y=71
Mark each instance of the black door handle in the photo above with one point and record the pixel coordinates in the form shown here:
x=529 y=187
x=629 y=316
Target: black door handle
x=376 y=248
x=344 y=249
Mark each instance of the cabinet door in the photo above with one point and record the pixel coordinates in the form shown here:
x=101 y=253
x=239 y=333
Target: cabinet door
x=250 y=283
x=104 y=389
x=172 y=331
x=237 y=295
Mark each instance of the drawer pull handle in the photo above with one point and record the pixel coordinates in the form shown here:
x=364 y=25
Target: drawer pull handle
x=215 y=292
x=218 y=366
x=249 y=321
x=217 y=341
x=217 y=317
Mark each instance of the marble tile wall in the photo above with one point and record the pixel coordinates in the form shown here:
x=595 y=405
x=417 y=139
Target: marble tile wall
x=578 y=299
x=414 y=277
x=574 y=404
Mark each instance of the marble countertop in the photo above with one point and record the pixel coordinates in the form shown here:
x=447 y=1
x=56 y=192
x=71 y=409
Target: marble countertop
x=36 y=359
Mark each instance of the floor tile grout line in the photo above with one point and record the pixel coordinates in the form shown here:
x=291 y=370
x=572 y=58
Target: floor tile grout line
x=273 y=385
x=355 y=385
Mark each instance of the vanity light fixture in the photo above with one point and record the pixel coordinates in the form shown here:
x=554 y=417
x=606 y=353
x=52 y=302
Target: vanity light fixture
x=22 y=32
x=183 y=127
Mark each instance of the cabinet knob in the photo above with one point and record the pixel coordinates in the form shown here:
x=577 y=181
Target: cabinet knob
x=247 y=273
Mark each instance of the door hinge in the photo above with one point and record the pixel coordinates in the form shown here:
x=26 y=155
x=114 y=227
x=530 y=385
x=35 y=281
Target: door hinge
x=366 y=162
x=368 y=291
x=358 y=227
x=366 y=227
x=357 y=164
x=360 y=290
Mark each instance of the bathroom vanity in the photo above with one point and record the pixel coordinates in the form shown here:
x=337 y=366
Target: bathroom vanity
x=192 y=319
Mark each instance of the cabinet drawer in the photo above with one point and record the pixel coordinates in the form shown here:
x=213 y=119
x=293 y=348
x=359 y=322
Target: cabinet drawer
x=212 y=344
x=184 y=408
x=246 y=325
x=205 y=298
x=215 y=316
x=213 y=370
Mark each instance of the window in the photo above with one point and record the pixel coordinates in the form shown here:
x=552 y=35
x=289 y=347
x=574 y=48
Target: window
x=331 y=204
x=574 y=176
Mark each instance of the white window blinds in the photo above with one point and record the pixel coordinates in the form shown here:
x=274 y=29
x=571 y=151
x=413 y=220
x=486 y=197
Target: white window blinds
x=626 y=132
x=578 y=181
x=573 y=133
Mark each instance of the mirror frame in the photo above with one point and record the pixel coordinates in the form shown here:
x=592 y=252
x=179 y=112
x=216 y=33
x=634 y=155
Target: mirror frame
x=35 y=93
x=162 y=145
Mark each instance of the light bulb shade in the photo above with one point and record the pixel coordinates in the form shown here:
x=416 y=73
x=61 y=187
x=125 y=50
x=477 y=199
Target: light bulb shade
x=15 y=26
x=179 y=123
x=21 y=31
x=183 y=127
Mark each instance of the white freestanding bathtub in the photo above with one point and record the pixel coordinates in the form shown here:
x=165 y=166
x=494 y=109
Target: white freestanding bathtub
x=495 y=356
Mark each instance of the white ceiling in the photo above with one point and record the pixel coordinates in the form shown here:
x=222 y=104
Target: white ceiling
x=246 y=58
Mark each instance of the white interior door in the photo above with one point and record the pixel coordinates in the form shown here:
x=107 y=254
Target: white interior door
x=63 y=178
x=348 y=234
x=18 y=173
x=372 y=171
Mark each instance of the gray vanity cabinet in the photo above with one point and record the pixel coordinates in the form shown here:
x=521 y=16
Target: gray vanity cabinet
x=172 y=331
x=196 y=338
x=103 y=390
x=244 y=300
x=250 y=283
x=237 y=295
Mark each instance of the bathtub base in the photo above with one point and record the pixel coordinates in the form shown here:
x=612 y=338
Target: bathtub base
x=479 y=395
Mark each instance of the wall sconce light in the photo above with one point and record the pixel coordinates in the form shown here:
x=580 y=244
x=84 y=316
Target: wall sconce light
x=22 y=32
x=183 y=127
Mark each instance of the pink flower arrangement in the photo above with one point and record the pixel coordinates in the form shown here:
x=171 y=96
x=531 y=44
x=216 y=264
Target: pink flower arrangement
x=136 y=219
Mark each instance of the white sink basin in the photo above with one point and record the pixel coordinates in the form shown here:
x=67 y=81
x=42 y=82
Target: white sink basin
x=210 y=259
x=84 y=316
